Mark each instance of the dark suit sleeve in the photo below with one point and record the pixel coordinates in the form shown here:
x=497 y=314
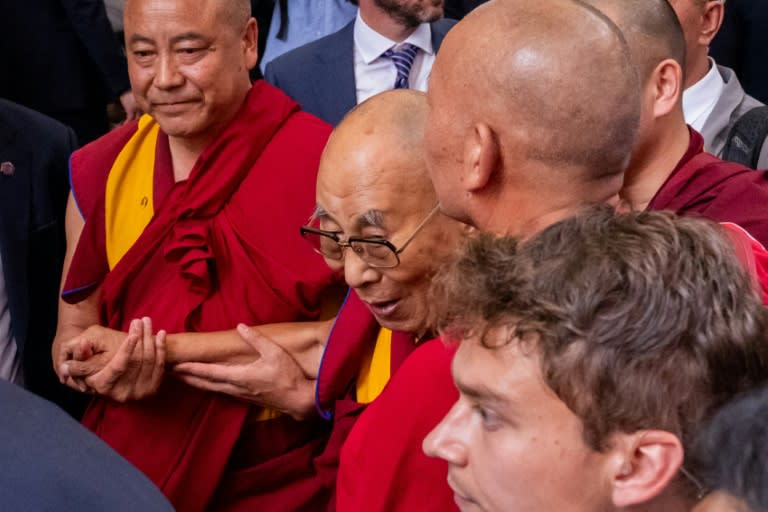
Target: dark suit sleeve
x=270 y=75
x=89 y=18
x=45 y=259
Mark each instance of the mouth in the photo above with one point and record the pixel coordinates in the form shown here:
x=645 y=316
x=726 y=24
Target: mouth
x=462 y=500
x=170 y=106
x=383 y=309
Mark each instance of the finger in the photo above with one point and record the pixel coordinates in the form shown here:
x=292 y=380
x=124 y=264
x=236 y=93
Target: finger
x=212 y=372
x=159 y=367
x=147 y=353
x=216 y=387
x=83 y=350
x=257 y=340
x=80 y=369
x=80 y=385
x=104 y=380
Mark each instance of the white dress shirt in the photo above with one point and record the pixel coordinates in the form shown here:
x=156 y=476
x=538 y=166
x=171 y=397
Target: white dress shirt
x=375 y=74
x=699 y=100
x=10 y=365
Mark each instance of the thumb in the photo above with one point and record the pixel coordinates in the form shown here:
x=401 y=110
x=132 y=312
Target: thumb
x=254 y=337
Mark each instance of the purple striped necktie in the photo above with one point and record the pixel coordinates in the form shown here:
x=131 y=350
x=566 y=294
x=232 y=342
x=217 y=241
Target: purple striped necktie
x=403 y=60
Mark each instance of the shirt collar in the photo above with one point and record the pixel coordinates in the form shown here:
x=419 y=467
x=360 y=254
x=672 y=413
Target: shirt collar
x=702 y=95
x=371 y=44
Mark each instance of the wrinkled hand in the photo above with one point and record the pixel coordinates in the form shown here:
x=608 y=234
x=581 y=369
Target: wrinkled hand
x=272 y=378
x=128 y=101
x=87 y=354
x=134 y=372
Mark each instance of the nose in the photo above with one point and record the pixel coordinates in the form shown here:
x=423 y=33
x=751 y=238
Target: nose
x=446 y=441
x=357 y=273
x=167 y=74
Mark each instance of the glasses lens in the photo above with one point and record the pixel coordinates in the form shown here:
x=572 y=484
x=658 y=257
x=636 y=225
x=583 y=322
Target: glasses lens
x=376 y=254
x=323 y=244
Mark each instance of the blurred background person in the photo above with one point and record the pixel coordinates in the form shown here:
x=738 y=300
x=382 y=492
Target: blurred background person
x=61 y=58
x=742 y=44
x=733 y=450
x=34 y=152
x=391 y=44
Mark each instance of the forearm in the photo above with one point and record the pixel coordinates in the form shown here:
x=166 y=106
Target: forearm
x=304 y=341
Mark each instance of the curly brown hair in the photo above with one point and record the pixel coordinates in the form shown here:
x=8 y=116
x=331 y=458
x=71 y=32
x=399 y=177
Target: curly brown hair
x=641 y=321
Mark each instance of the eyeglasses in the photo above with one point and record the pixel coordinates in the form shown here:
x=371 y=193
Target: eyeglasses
x=376 y=252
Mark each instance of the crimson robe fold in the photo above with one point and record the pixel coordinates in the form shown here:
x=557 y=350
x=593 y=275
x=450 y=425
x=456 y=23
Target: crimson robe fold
x=702 y=184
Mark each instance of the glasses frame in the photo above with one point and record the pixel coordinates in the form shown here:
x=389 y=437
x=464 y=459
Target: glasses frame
x=304 y=230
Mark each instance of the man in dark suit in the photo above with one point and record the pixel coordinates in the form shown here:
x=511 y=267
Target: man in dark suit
x=34 y=151
x=742 y=45
x=50 y=462
x=391 y=44
x=61 y=58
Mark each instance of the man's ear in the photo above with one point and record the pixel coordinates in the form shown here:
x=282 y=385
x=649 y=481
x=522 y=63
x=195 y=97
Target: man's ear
x=650 y=461
x=666 y=86
x=250 y=43
x=712 y=19
x=482 y=157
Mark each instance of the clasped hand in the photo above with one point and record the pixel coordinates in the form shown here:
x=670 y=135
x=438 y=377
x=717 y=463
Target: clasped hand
x=118 y=365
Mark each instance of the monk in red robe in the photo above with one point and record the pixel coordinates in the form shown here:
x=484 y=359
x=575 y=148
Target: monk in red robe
x=189 y=216
x=669 y=169
x=377 y=219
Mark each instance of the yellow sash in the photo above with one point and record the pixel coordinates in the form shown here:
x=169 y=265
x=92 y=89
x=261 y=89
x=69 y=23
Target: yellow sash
x=376 y=368
x=129 y=199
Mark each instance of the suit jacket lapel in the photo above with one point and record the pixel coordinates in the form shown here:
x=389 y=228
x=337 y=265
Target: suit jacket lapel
x=14 y=226
x=714 y=129
x=439 y=29
x=337 y=64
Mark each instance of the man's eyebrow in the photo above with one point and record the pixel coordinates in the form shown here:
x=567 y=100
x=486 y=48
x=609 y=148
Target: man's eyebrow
x=370 y=219
x=187 y=36
x=136 y=38
x=479 y=391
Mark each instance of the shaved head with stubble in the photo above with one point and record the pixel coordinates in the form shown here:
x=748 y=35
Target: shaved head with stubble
x=234 y=13
x=651 y=28
x=534 y=108
x=657 y=43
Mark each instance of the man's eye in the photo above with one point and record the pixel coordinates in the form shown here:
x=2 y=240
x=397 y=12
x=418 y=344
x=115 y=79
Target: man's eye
x=190 y=51
x=488 y=418
x=142 y=54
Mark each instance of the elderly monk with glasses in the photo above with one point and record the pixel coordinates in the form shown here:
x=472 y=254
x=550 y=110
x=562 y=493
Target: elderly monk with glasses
x=378 y=222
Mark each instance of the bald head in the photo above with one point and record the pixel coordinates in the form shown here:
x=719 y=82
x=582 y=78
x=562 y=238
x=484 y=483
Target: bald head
x=234 y=13
x=380 y=140
x=554 y=77
x=651 y=28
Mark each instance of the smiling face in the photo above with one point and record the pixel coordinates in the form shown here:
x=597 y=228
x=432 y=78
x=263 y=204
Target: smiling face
x=384 y=195
x=511 y=443
x=188 y=63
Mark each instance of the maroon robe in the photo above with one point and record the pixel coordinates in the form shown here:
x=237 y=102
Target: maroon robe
x=702 y=184
x=223 y=247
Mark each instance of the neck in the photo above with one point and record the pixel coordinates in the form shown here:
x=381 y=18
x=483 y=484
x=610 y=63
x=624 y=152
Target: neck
x=185 y=150
x=382 y=22
x=697 y=69
x=653 y=162
x=499 y=212
x=184 y=154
